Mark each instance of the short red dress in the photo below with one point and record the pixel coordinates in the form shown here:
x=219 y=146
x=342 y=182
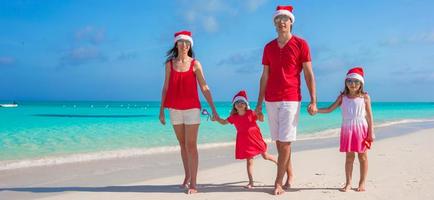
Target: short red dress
x=249 y=141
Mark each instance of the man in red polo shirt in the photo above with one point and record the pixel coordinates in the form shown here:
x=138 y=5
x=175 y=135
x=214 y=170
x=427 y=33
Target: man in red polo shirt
x=284 y=58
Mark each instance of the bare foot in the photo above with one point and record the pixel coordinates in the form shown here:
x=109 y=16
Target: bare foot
x=288 y=183
x=346 y=188
x=278 y=190
x=185 y=184
x=287 y=186
x=361 y=188
x=249 y=186
x=192 y=190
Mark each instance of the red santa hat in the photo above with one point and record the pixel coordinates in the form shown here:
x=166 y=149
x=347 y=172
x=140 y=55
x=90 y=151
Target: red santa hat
x=241 y=96
x=356 y=73
x=184 y=35
x=284 y=10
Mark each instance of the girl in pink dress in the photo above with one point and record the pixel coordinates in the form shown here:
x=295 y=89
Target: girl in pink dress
x=357 y=132
x=249 y=142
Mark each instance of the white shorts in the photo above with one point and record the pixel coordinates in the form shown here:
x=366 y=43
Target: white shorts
x=189 y=117
x=283 y=120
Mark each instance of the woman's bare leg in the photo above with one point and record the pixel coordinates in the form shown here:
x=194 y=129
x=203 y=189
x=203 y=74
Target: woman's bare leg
x=191 y=132
x=180 y=135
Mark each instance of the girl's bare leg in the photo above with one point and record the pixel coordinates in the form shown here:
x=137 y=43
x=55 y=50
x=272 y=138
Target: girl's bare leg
x=180 y=135
x=349 y=160
x=192 y=154
x=249 y=162
x=363 y=159
x=269 y=157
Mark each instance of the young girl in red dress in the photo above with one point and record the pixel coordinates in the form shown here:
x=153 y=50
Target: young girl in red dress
x=249 y=142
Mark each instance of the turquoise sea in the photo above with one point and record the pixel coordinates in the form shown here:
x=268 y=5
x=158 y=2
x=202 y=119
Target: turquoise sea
x=56 y=132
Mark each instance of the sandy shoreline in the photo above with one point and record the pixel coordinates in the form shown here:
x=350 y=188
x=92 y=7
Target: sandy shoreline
x=400 y=167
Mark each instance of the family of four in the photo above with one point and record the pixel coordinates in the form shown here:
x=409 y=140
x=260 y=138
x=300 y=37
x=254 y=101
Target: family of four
x=284 y=58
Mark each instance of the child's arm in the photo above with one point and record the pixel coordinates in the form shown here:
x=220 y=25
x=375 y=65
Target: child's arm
x=331 y=107
x=369 y=118
x=222 y=121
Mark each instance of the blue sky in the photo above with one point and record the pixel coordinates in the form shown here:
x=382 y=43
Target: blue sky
x=115 y=50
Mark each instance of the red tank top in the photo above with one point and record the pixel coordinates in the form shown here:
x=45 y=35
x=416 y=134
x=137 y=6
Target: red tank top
x=182 y=90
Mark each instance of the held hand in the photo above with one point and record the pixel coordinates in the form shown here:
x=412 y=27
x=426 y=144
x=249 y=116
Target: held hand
x=162 y=118
x=260 y=117
x=258 y=109
x=312 y=109
x=215 y=116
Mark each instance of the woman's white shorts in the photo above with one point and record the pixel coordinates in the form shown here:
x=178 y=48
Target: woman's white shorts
x=189 y=117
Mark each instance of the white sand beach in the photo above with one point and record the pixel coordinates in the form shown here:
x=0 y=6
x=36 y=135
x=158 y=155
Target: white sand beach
x=400 y=167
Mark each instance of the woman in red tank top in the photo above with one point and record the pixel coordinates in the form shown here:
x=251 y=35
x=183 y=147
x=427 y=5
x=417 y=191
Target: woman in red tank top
x=180 y=96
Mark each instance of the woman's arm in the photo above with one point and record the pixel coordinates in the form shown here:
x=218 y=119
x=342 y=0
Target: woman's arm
x=204 y=88
x=331 y=107
x=369 y=118
x=163 y=93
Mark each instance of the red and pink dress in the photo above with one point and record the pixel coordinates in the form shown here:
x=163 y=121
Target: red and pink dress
x=249 y=142
x=354 y=128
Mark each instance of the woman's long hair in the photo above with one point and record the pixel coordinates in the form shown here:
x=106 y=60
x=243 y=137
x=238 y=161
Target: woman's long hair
x=173 y=53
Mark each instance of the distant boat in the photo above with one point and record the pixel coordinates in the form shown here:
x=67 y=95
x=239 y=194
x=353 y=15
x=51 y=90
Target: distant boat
x=9 y=105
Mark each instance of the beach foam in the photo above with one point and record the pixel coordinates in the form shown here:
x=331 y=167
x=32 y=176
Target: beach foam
x=125 y=153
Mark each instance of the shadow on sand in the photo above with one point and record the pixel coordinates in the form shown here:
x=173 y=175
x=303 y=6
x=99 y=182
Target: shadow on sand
x=203 y=188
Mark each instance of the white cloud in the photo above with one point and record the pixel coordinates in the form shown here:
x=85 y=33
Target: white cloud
x=6 y=60
x=82 y=55
x=210 y=24
x=427 y=37
x=253 y=5
x=417 y=38
x=90 y=34
x=207 y=15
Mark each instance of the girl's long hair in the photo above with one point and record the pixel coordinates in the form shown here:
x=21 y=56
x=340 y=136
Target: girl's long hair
x=360 y=92
x=234 y=110
x=173 y=53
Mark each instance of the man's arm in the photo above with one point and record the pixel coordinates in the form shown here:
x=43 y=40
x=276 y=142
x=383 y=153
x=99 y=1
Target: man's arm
x=262 y=85
x=310 y=82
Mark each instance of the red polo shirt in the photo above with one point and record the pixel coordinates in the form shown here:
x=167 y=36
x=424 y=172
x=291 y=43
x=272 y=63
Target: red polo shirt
x=285 y=65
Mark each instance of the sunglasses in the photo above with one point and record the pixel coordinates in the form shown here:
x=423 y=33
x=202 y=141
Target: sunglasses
x=351 y=81
x=205 y=112
x=239 y=102
x=282 y=18
x=186 y=42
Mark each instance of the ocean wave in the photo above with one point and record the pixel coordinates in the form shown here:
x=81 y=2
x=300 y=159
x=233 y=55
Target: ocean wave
x=105 y=155
x=336 y=131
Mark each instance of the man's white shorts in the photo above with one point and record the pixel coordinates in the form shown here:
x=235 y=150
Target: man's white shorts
x=283 y=120
x=189 y=117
